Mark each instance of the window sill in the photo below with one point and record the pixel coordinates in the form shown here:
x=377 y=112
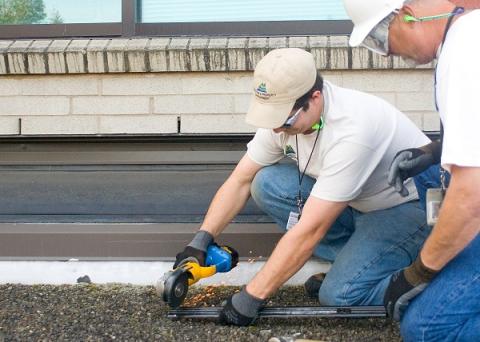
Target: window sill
x=179 y=54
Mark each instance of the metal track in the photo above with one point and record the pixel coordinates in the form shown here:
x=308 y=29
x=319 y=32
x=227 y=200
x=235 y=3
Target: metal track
x=287 y=312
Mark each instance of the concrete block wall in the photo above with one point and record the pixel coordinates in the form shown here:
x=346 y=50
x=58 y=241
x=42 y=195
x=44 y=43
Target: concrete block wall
x=176 y=85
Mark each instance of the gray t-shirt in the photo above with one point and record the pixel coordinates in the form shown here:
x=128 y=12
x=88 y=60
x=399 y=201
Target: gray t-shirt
x=361 y=135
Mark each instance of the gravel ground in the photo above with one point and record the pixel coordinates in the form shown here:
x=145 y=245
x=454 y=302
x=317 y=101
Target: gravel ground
x=89 y=312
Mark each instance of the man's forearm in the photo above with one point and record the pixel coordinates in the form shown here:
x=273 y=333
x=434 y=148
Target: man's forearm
x=226 y=204
x=290 y=254
x=231 y=197
x=459 y=220
x=435 y=148
x=296 y=246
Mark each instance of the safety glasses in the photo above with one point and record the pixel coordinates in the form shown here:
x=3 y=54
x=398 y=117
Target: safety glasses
x=292 y=119
x=377 y=39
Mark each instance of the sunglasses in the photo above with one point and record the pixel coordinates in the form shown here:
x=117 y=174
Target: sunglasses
x=292 y=119
x=377 y=40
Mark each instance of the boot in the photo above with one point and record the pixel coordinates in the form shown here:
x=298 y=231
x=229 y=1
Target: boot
x=313 y=284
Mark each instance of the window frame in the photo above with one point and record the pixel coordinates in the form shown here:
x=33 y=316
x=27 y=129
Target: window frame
x=130 y=26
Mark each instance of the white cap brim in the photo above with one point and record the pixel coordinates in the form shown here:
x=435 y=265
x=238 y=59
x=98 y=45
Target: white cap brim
x=360 y=32
x=271 y=115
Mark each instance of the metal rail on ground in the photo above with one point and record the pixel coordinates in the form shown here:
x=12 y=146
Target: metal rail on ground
x=287 y=312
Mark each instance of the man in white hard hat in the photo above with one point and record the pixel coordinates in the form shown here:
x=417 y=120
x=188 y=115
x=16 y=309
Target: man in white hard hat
x=443 y=284
x=333 y=200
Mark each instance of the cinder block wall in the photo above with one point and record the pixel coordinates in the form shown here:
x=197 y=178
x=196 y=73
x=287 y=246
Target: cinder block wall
x=179 y=85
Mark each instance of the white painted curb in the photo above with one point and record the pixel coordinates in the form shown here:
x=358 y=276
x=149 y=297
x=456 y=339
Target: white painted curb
x=129 y=272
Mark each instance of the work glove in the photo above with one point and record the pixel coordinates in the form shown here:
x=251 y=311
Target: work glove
x=196 y=250
x=404 y=286
x=410 y=162
x=241 y=309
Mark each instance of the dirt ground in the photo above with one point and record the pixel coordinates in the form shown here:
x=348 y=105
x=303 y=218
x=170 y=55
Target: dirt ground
x=89 y=312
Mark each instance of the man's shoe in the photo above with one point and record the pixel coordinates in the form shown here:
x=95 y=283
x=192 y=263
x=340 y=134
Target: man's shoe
x=313 y=284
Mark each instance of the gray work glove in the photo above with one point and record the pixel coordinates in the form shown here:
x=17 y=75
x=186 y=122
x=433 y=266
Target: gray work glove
x=410 y=162
x=241 y=309
x=404 y=286
x=196 y=250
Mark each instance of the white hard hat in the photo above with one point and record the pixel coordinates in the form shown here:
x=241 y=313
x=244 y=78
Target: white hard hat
x=366 y=14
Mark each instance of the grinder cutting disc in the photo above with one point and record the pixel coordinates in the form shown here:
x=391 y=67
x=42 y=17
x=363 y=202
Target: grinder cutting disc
x=173 y=287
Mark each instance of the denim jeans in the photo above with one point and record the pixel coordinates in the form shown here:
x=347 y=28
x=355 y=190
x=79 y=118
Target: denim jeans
x=365 y=248
x=449 y=308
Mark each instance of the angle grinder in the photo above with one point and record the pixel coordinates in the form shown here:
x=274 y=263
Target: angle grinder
x=173 y=286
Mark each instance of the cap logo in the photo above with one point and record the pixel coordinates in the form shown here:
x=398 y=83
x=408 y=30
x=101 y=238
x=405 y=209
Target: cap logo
x=262 y=92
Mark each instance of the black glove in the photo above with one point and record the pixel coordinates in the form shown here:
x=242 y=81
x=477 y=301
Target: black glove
x=410 y=162
x=404 y=286
x=190 y=254
x=241 y=309
x=196 y=250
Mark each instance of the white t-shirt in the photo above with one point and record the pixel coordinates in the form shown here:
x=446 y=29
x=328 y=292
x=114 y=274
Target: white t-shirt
x=458 y=92
x=361 y=135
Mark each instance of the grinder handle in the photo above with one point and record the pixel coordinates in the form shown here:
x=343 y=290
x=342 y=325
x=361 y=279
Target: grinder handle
x=197 y=272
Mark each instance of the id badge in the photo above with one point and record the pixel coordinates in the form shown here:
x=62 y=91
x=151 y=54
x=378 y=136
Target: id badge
x=434 y=201
x=292 y=219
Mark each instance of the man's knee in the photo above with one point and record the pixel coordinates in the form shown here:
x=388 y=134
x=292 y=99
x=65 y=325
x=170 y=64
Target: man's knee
x=344 y=291
x=333 y=293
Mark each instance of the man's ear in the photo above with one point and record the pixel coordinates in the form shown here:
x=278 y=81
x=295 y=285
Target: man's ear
x=316 y=94
x=407 y=14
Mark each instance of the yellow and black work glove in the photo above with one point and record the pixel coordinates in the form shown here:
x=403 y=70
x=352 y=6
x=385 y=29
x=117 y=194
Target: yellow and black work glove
x=404 y=286
x=241 y=309
x=196 y=250
x=410 y=162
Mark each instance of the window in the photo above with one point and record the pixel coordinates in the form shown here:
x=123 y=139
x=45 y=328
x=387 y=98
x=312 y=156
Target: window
x=59 y=11
x=242 y=17
x=169 y=11
x=60 y=18
x=116 y=18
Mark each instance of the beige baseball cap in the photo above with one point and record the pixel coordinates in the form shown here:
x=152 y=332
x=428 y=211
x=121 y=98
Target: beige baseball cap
x=280 y=78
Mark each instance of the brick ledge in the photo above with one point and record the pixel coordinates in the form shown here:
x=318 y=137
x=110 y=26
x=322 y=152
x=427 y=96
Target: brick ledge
x=179 y=54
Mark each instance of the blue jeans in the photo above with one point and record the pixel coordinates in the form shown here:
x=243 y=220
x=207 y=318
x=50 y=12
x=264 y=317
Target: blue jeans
x=449 y=308
x=365 y=248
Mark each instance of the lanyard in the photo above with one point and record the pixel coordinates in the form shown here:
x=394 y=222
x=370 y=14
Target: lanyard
x=302 y=174
x=457 y=10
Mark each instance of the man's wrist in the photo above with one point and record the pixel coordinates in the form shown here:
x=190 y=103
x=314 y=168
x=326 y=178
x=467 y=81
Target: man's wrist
x=256 y=291
x=417 y=273
x=201 y=240
x=247 y=304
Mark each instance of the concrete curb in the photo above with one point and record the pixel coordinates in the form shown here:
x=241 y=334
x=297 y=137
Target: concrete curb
x=130 y=272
